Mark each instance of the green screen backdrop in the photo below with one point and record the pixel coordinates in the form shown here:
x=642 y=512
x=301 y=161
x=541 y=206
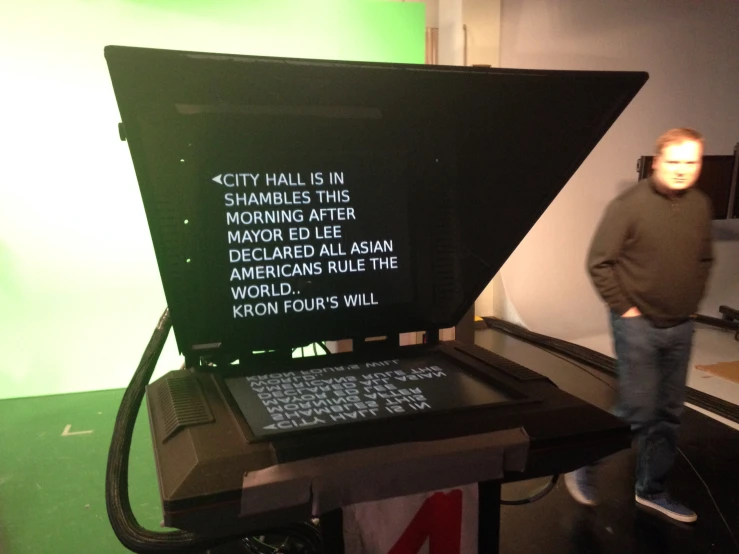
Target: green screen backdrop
x=79 y=287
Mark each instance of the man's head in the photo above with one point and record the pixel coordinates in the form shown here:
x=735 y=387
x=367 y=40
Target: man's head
x=677 y=163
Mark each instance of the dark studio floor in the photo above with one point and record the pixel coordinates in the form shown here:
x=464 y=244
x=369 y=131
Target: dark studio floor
x=704 y=478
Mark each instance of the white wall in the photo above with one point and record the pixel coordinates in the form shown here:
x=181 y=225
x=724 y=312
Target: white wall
x=451 y=36
x=691 y=50
x=478 y=19
x=482 y=21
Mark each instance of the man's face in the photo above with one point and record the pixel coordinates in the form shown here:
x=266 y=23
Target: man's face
x=679 y=165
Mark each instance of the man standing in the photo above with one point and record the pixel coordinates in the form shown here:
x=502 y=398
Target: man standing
x=649 y=260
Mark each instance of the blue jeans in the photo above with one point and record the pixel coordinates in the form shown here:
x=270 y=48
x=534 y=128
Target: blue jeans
x=652 y=366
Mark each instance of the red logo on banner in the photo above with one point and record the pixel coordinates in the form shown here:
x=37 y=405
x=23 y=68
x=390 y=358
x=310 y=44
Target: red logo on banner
x=439 y=519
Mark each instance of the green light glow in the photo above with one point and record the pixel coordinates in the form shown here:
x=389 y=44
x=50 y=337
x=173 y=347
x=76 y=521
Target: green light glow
x=80 y=291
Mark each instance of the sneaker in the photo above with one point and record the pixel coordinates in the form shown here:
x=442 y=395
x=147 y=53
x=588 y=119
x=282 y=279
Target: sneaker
x=668 y=506
x=580 y=485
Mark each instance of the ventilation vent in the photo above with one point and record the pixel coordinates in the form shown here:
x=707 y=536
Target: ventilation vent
x=183 y=404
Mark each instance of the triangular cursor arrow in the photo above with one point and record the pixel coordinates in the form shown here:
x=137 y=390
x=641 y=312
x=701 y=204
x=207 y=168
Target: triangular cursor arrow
x=217 y=179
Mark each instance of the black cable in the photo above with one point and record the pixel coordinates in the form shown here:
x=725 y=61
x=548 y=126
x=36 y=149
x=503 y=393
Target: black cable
x=325 y=348
x=305 y=538
x=309 y=535
x=125 y=526
x=279 y=549
x=534 y=497
x=132 y=535
x=708 y=490
x=255 y=546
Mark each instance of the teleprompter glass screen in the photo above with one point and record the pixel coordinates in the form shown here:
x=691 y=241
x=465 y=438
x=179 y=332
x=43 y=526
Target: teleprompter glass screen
x=326 y=396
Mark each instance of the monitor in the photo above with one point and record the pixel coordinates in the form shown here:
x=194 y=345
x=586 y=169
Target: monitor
x=715 y=180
